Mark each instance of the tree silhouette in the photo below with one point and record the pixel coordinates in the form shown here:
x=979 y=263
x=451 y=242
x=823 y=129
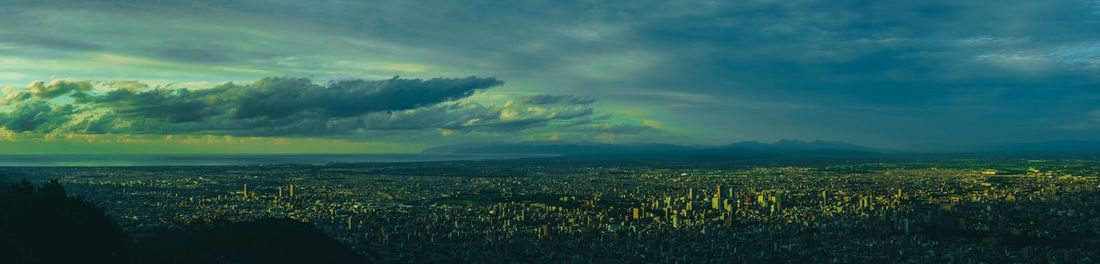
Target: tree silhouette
x=43 y=225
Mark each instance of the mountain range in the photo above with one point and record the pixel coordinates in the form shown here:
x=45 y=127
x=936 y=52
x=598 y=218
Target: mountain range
x=785 y=148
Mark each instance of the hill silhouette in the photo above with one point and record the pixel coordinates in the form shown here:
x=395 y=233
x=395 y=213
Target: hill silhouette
x=44 y=225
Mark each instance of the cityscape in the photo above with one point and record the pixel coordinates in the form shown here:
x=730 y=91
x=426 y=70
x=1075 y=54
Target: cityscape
x=941 y=212
x=561 y=131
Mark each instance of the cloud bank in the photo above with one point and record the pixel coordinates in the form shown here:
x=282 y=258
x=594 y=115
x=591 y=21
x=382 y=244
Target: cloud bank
x=297 y=107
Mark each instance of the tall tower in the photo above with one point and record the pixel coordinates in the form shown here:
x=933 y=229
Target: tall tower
x=244 y=193
x=714 y=201
x=292 y=191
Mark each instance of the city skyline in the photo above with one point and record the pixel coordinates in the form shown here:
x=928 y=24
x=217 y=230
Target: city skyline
x=541 y=211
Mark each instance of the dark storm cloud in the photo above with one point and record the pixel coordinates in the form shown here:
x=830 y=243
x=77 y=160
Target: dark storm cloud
x=273 y=98
x=280 y=104
x=350 y=109
x=167 y=105
x=38 y=116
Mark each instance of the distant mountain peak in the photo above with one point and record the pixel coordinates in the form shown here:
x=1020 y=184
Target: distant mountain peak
x=799 y=144
x=553 y=148
x=650 y=150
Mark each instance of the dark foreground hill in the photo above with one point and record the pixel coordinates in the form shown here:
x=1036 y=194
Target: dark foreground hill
x=43 y=225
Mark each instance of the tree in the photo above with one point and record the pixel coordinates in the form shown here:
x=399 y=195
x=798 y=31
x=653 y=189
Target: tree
x=44 y=225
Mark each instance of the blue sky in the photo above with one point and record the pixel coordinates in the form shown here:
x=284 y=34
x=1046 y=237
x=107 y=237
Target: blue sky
x=900 y=74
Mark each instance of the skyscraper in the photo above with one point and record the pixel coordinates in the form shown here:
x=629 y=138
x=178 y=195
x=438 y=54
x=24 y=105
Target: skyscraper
x=714 y=201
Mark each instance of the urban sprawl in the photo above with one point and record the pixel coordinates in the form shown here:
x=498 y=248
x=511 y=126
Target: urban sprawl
x=939 y=212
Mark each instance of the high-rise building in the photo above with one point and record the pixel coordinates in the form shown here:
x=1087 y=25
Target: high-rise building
x=714 y=201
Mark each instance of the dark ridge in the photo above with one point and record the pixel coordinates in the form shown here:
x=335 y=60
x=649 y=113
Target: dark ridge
x=44 y=225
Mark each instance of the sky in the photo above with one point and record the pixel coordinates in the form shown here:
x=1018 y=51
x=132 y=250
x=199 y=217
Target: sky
x=205 y=76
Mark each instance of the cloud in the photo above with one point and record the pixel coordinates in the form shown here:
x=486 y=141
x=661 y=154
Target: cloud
x=544 y=99
x=131 y=85
x=12 y=96
x=297 y=107
x=275 y=106
x=44 y=91
x=37 y=116
x=191 y=54
x=754 y=69
x=54 y=41
x=514 y=115
x=617 y=128
x=279 y=98
x=55 y=88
